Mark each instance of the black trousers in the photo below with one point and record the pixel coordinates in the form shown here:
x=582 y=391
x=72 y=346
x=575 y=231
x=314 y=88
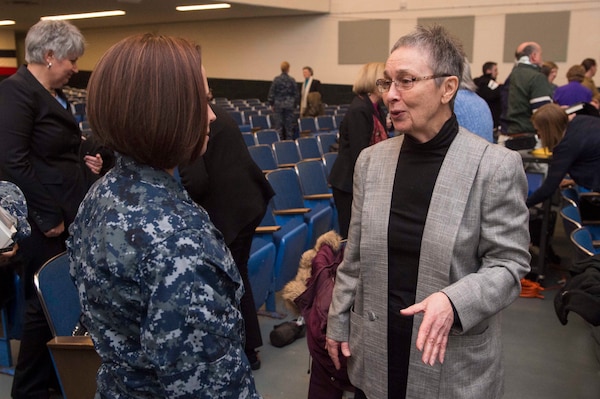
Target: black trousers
x=240 y=251
x=343 y=204
x=34 y=372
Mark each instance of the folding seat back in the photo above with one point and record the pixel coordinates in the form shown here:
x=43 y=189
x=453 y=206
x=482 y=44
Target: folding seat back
x=326 y=141
x=263 y=156
x=308 y=147
x=259 y=122
x=286 y=153
x=266 y=136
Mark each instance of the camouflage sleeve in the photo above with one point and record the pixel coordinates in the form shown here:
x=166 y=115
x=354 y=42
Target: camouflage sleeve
x=271 y=96
x=193 y=329
x=13 y=201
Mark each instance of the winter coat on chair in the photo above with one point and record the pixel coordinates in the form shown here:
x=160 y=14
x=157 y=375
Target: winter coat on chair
x=311 y=293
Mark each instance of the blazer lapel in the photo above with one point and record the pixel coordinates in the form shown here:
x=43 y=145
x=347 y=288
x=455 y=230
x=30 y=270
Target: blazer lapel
x=448 y=203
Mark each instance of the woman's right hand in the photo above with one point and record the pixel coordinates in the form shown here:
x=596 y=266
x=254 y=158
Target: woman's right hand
x=333 y=349
x=55 y=231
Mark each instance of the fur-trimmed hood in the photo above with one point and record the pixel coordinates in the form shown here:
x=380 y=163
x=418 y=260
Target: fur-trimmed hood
x=297 y=286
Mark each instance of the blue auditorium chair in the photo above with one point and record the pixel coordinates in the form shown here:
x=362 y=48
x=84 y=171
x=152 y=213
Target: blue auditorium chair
x=286 y=153
x=288 y=204
x=266 y=136
x=263 y=156
x=326 y=140
x=260 y=269
x=289 y=240
x=308 y=147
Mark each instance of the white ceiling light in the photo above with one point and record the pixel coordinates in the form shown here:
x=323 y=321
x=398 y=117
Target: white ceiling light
x=6 y=22
x=86 y=15
x=200 y=7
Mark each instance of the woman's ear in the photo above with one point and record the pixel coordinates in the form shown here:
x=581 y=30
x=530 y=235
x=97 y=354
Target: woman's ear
x=449 y=87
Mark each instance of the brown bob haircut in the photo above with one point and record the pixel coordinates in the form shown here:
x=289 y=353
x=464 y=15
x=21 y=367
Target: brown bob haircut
x=550 y=121
x=147 y=100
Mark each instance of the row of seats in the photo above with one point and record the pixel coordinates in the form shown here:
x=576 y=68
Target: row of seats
x=314 y=125
x=287 y=153
x=336 y=109
x=224 y=102
x=323 y=142
x=253 y=120
x=300 y=212
x=581 y=220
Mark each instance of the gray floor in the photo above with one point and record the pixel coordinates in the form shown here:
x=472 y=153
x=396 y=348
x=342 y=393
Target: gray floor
x=543 y=359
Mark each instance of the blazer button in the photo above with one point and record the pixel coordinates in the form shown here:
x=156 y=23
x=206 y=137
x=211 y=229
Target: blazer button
x=372 y=316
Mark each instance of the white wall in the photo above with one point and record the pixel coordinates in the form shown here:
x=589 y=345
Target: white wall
x=253 y=48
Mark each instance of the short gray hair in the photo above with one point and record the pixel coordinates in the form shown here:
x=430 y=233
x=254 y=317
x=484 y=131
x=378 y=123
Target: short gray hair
x=60 y=37
x=446 y=54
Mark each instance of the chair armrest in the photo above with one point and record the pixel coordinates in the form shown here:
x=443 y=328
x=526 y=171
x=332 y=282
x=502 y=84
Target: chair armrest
x=291 y=211
x=286 y=165
x=318 y=196
x=266 y=229
x=81 y=342
x=77 y=363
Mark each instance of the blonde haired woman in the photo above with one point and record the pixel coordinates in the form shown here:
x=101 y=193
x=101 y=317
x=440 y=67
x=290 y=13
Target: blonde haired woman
x=362 y=126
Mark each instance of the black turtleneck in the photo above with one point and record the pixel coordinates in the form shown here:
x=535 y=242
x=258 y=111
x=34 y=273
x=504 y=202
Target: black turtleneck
x=416 y=173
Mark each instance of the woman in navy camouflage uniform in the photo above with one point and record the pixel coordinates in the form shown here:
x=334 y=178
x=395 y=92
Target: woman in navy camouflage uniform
x=158 y=288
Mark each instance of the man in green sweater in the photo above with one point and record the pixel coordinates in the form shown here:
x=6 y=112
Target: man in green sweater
x=529 y=88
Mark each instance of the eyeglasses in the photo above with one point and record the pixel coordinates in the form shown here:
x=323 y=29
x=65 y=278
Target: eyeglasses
x=404 y=83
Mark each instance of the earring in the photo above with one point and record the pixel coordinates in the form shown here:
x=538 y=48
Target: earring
x=49 y=65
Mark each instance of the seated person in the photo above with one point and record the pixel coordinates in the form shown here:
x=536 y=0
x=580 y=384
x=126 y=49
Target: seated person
x=573 y=92
x=575 y=147
x=12 y=201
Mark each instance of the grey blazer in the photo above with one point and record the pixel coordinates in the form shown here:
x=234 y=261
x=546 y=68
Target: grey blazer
x=474 y=249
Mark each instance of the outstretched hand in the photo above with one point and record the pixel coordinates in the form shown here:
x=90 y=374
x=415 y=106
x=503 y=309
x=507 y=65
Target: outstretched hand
x=438 y=318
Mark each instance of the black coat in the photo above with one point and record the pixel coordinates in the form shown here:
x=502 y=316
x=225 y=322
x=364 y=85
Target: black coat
x=225 y=180
x=40 y=150
x=356 y=130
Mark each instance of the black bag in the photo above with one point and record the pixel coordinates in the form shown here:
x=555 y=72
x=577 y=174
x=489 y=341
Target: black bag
x=521 y=141
x=589 y=207
x=285 y=333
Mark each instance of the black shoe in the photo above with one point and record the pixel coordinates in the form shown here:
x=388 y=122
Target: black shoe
x=255 y=366
x=253 y=360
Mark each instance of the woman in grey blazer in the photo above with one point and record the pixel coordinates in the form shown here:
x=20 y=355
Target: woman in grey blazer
x=437 y=245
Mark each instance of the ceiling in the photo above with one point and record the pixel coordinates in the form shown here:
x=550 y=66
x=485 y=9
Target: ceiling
x=138 y=12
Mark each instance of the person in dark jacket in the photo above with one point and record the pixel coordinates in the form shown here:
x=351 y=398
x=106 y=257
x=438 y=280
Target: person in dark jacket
x=283 y=98
x=575 y=148
x=362 y=126
x=40 y=153
x=489 y=90
x=231 y=187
